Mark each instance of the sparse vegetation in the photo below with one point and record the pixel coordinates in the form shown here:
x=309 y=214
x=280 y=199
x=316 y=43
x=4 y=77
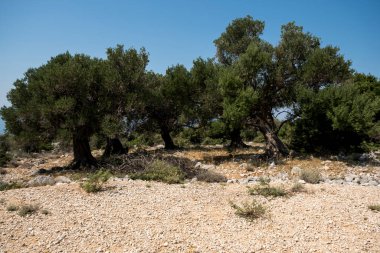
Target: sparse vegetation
x=374 y=208
x=264 y=189
x=96 y=181
x=210 y=177
x=12 y=208
x=298 y=187
x=312 y=176
x=4 y=186
x=161 y=171
x=25 y=210
x=267 y=191
x=3 y=171
x=249 y=211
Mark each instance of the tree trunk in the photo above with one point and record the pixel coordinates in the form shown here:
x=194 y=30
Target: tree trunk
x=236 y=140
x=82 y=151
x=114 y=147
x=165 y=134
x=275 y=148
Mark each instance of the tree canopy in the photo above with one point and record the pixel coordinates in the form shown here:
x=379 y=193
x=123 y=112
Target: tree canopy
x=328 y=106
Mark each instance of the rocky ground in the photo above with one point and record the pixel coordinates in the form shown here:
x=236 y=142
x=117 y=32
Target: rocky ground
x=139 y=216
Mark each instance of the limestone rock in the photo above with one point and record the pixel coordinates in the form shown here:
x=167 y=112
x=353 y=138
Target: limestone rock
x=41 y=181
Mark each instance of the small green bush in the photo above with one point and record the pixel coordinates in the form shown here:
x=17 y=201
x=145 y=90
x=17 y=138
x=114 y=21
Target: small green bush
x=27 y=210
x=267 y=191
x=12 y=208
x=96 y=181
x=374 y=208
x=161 y=171
x=264 y=189
x=210 y=177
x=249 y=211
x=312 y=176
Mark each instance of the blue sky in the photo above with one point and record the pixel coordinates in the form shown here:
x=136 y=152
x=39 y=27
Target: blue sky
x=175 y=31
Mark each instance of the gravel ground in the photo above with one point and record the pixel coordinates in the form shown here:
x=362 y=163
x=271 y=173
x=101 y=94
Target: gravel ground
x=136 y=216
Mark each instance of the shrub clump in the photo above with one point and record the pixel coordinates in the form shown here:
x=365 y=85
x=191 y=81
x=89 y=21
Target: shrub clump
x=298 y=187
x=96 y=181
x=249 y=211
x=210 y=177
x=12 y=208
x=374 y=208
x=312 y=176
x=264 y=189
x=161 y=171
x=25 y=210
x=4 y=186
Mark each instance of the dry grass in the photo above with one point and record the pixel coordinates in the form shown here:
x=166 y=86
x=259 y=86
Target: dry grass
x=298 y=187
x=249 y=211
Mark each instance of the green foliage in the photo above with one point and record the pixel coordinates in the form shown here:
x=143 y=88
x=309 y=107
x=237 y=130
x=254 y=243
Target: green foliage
x=340 y=118
x=124 y=79
x=147 y=138
x=249 y=211
x=237 y=37
x=161 y=171
x=96 y=181
x=312 y=176
x=4 y=148
x=259 y=78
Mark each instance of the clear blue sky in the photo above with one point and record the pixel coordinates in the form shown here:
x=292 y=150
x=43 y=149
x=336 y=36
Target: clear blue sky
x=176 y=31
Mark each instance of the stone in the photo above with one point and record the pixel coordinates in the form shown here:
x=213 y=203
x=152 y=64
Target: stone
x=252 y=179
x=364 y=179
x=243 y=181
x=338 y=181
x=301 y=181
x=296 y=171
x=62 y=179
x=207 y=166
x=351 y=178
x=41 y=181
x=283 y=176
x=243 y=165
x=373 y=183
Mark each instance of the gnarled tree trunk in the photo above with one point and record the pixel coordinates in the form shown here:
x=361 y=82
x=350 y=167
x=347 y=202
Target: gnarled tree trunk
x=114 y=147
x=165 y=134
x=236 y=140
x=275 y=148
x=82 y=151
